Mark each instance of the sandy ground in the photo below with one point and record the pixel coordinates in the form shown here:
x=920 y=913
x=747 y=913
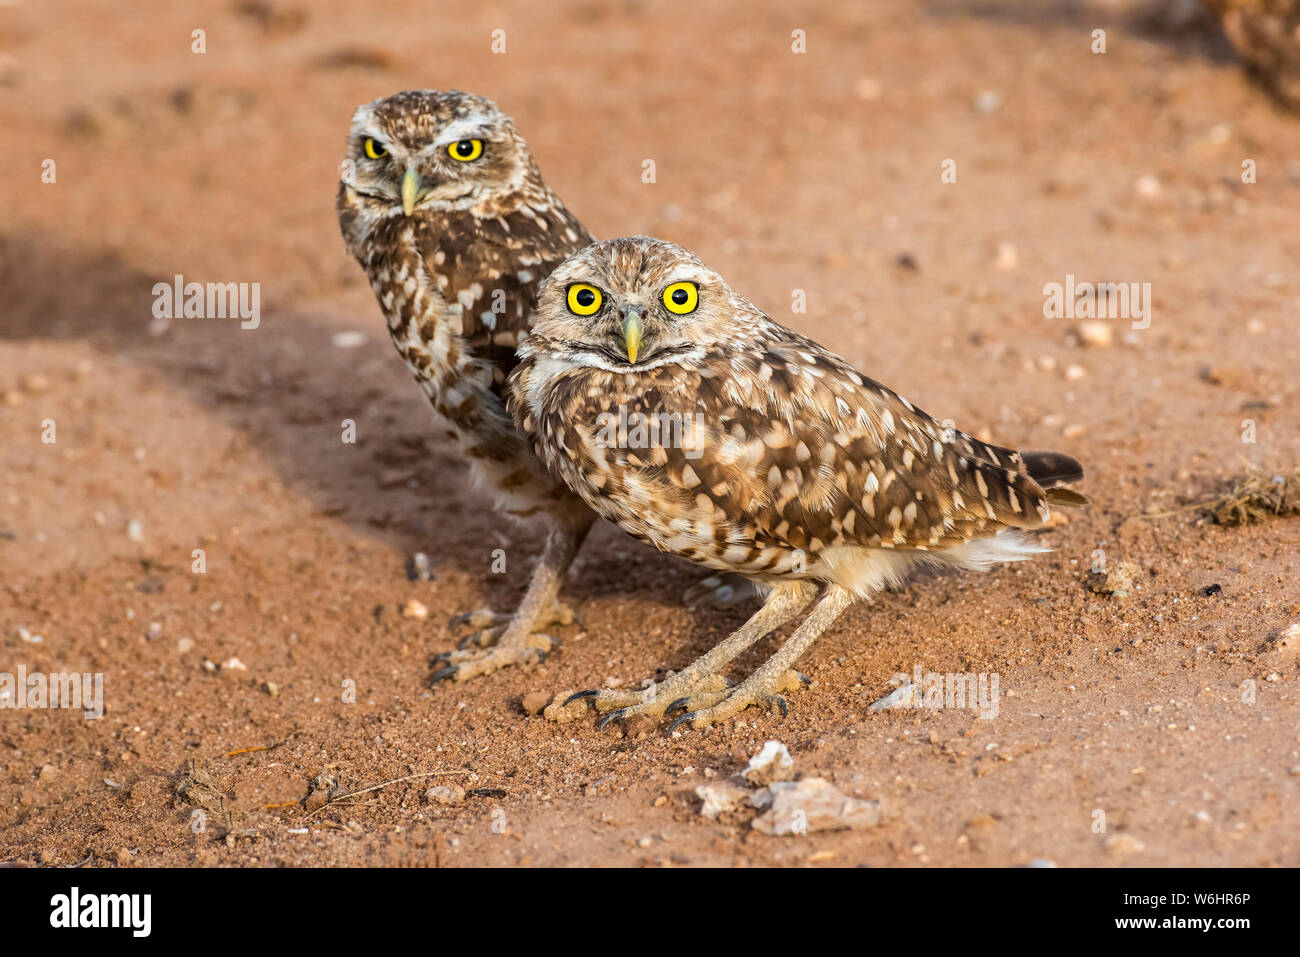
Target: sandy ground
x=1169 y=712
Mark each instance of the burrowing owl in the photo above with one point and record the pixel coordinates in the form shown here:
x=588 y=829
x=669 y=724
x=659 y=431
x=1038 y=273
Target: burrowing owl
x=1266 y=34
x=444 y=207
x=683 y=414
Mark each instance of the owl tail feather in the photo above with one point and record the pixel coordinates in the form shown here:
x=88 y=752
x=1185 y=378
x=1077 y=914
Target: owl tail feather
x=1064 y=496
x=1052 y=471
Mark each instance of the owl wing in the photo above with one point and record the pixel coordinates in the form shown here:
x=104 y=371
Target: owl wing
x=815 y=454
x=492 y=266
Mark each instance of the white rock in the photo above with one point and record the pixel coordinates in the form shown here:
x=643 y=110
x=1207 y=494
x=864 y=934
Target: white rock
x=1096 y=333
x=720 y=797
x=415 y=609
x=898 y=698
x=772 y=763
x=813 y=804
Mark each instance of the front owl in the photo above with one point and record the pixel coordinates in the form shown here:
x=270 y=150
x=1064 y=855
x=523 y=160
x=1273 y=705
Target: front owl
x=680 y=412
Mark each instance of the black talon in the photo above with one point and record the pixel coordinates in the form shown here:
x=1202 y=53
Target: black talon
x=681 y=704
x=442 y=656
x=581 y=694
x=803 y=677
x=686 y=717
x=613 y=716
x=466 y=640
x=785 y=708
x=444 y=673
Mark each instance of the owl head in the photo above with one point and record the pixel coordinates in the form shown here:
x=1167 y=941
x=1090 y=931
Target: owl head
x=427 y=149
x=636 y=304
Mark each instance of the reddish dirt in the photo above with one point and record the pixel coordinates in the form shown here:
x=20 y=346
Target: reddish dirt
x=783 y=171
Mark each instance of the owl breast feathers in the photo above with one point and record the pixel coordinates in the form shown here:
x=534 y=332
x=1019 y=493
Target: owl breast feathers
x=743 y=446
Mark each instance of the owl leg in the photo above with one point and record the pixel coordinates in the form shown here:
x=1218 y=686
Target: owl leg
x=786 y=601
x=765 y=685
x=519 y=640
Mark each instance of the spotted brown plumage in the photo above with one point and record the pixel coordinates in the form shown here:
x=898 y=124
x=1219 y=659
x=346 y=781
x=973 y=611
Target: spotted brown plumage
x=455 y=250
x=1266 y=35
x=740 y=445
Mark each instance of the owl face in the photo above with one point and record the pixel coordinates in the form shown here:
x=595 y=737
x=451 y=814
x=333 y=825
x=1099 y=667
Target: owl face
x=426 y=149
x=635 y=304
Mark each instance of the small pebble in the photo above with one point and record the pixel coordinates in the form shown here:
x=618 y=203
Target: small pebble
x=988 y=101
x=1096 y=333
x=535 y=702
x=35 y=383
x=445 y=794
x=1147 y=187
x=772 y=763
x=1121 y=845
x=419 y=569
x=349 y=340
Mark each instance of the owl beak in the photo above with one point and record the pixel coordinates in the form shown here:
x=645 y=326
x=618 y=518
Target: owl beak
x=410 y=190
x=632 y=329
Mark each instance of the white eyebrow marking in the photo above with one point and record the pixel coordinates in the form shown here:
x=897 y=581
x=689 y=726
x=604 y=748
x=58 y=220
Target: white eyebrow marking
x=474 y=126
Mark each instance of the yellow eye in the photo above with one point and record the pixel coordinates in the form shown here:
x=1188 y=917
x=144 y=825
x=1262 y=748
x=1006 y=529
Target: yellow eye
x=375 y=149
x=584 y=300
x=466 y=150
x=682 y=297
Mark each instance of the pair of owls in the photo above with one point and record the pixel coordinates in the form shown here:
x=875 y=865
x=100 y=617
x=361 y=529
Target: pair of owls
x=626 y=379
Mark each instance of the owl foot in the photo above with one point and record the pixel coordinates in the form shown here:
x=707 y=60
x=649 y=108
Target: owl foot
x=701 y=681
x=664 y=700
x=510 y=649
x=654 y=700
x=488 y=626
x=704 y=710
